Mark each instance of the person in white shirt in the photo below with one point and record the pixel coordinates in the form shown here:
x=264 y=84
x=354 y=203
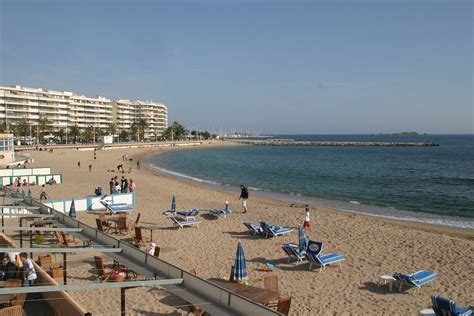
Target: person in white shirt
x=29 y=272
x=306 y=218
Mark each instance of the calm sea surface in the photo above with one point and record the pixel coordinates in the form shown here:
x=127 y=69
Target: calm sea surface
x=426 y=184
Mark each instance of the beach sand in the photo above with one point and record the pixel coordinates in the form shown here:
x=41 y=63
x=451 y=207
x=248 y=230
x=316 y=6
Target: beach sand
x=372 y=247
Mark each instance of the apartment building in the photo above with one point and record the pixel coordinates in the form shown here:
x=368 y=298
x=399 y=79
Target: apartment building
x=63 y=109
x=155 y=115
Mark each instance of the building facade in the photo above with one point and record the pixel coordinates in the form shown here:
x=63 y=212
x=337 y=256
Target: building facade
x=64 y=109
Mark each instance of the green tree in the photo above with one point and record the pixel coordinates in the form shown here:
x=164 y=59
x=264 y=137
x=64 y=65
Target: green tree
x=123 y=136
x=88 y=134
x=175 y=132
x=112 y=128
x=60 y=134
x=75 y=132
x=23 y=127
x=142 y=125
x=134 y=128
x=44 y=127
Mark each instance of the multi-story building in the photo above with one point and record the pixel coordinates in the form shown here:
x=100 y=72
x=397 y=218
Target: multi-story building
x=63 y=109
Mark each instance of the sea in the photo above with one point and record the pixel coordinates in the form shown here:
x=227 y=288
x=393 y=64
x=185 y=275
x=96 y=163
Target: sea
x=422 y=184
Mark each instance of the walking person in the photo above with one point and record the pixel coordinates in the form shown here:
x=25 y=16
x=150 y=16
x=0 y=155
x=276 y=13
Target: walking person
x=132 y=185
x=306 y=218
x=244 y=195
x=138 y=164
x=111 y=185
x=29 y=272
x=90 y=168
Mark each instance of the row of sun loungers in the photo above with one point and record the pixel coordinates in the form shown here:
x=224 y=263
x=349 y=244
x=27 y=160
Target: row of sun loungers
x=265 y=229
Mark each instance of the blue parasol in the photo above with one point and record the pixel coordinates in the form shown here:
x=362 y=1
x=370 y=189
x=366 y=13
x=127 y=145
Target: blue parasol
x=240 y=265
x=72 y=210
x=302 y=240
x=173 y=204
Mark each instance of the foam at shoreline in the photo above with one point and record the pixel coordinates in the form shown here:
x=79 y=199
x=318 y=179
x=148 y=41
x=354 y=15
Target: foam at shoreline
x=350 y=206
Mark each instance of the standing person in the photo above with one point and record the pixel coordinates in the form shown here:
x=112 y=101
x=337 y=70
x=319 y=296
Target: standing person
x=132 y=185
x=122 y=184
x=306 y=218
x=244 y=195
x=138 y=164
x=111 y=185
x=43 y=195
x=117 y=187
x=8 y=269
x=29 y=272
x=90 y=168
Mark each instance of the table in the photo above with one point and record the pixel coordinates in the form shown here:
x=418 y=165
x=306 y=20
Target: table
x=151 y=228
x=5 y=298
x=42 y=223
x=256 y=294
x=427 y=312
x=387 y=279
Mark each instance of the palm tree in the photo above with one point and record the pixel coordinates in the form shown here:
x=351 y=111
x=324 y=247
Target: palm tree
x=23 y=127
x=75 y=132
x=60 y=133
x=112 y=128
x=134 y=129
x=43 y=127
x=88 y=133
x=142 y=125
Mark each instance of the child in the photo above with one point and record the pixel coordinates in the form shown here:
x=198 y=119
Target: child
x=306 y=218
x=29 y=273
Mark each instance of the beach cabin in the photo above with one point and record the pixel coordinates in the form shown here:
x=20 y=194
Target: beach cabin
x=7 y=149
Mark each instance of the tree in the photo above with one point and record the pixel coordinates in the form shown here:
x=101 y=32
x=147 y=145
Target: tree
x=123 y=135
x=60 y=134
x=23 y=127
x=134 y=129
x=112 y=128
x=44 y=127
x=142 y=125
x=75 y=132
x=175 y=132
x=88 y=134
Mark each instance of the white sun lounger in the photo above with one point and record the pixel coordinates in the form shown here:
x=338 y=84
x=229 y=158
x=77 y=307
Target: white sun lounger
x=182 y=224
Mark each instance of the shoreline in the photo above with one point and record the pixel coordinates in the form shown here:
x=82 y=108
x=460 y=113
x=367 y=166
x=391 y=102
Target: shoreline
x=431 y=227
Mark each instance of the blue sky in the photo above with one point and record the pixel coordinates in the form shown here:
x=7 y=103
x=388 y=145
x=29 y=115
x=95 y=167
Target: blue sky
x=267 y=66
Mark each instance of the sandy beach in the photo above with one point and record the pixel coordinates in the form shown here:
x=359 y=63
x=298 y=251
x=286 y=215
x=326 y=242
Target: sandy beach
x=372 y=247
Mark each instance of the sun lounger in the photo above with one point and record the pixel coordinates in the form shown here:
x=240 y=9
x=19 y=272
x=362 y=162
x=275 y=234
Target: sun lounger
x=180 y=224
x=117 y=207
x=293 y=252
x=223 y=212
x=273 y=230
x=443 y=306
x=253 y=228
x=191 y=214
x=314 y=255
x=416 y=279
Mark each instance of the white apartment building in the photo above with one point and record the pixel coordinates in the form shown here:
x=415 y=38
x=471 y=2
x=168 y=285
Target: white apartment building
x=155 y=115
x=65 y=109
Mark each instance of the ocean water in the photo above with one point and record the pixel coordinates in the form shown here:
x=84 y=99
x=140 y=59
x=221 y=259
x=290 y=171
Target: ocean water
x=425 y=184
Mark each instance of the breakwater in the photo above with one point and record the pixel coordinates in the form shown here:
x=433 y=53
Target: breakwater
x=291 y=142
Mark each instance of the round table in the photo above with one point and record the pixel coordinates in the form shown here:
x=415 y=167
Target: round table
x=387 y=279
x=427 y=312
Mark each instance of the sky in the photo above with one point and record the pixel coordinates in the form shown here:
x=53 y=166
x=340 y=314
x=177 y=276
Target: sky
x=287 y=67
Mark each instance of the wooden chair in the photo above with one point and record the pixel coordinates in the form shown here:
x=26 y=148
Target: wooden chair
x=270 y=282
x=12 y=311
x=122 y=224
x=132 y=225
x=105 y=225
x=18 y=300
x=13 y=283
x=59 y=239
x=67 y=241
x=100 y=227
x=44 y=261
x=138 y=239
x=284 y=305
x=103 y=273
x=157 y=251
